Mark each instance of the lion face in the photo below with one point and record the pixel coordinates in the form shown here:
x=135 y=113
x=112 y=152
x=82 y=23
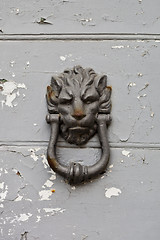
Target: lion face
x=78 y=95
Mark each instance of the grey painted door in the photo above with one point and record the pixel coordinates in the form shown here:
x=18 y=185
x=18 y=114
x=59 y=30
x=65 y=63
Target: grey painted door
x=118 y=38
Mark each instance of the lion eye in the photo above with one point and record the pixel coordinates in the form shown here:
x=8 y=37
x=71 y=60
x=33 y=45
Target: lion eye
x=89 y=100
x=65 y=101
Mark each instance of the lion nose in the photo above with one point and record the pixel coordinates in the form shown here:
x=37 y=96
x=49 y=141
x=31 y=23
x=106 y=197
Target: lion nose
x=78 y=116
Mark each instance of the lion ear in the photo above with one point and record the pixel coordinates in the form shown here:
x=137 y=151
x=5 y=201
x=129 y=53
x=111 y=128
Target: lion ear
x=100 y=83
x=52 y=100
x=56 y=84
x=105 y=101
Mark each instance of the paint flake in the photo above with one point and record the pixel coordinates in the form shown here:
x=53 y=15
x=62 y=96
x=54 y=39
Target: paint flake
x=33 y=154
x=19 y=198
x=3 y=195
x=10 y=99
x=112 y=192
x=38 y=219
x=117 y=47
x=53 y=210
x=53 y=177
x=126 y=153
x=22 y=218
x=62 y=58
x=111 y=166
x=2 y=185
x=132 y=84
x=12 y=63
x=44 y=161
x=48 y=183
x=44 y=195
x=8 y=89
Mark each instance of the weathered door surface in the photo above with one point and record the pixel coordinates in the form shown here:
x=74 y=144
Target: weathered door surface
x=119 y=38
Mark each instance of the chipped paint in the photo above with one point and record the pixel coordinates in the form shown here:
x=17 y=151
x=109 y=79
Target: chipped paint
x=8 y=91
x=110 y=192
x=53 y=210
x=27 y=63
x=48 y=184
x=53 y=175
x=38 y=219
x=19 y=198
x=117 y=47
x=28 y=199
x=140 y=75
x=4 y=193
x=140 y=96
x=12 y=63
x=2 y=185
x=44 y=195
x=44 y=161
x=22 y=217
x=111 y=166
x=33 y=153
x=62 y=58
x=126 y=153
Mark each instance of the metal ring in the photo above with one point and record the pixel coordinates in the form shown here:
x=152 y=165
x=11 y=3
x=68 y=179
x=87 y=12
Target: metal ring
x=76 y=173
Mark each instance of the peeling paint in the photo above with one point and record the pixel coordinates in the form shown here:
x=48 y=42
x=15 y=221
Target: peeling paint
x=2 y=185
x=33 y=153
x=117 y=47
x=53 y=175
x=140 y=75
x=126 y=153
x=140 y=96
x=19 y=198
x=27 y=63
x=22 y=218
x=48 y=184
x=53 y=210
x=45 y=194
x=44 y=161
x=12 y=63
x=112 y=192
x=62 y=58
x=8 y=89
x=3 y=194
x=38 y=219
x=111 y=166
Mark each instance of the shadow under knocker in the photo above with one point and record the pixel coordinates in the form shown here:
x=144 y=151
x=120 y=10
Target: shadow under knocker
x=79 y=106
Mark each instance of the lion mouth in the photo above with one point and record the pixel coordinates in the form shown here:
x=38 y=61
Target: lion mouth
x=79 y=130
x=77 y=135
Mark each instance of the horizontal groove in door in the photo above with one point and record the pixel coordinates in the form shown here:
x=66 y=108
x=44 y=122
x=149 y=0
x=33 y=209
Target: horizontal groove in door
x=74 y=37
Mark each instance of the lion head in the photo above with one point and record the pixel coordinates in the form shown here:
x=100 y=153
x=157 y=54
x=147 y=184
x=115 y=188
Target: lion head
x=78 y=95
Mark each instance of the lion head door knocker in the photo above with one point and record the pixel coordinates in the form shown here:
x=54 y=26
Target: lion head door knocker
x=79 y=106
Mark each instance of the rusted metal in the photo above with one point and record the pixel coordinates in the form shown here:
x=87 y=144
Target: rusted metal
x=79 y=106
